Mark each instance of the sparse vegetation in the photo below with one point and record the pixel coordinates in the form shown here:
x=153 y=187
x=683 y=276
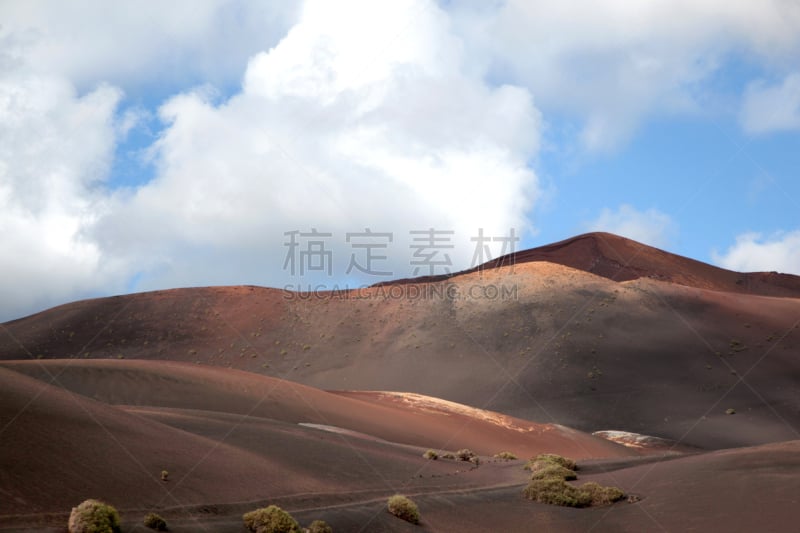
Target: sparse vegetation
x=554 y=459
x=465 y=454
x=547 y=470
x=549 y=477
x=93 y=516
x=431 y=454
x=555 y=491
x=404 y=508
x=730 y=411
x=164 y=475
x=270 y=519
x=448 y=455
x=506 y=456
x=601 y=495
x=153 y=521
x=319 y=526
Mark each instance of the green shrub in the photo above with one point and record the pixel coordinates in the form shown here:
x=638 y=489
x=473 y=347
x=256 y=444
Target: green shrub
x=465 y=454
x=552 y=458
x=602 y=495
x=537 y=464
x=506 y=456
x=93 y=516
x=555 y=491
x=430 y=454
x=270 y=519
x=546 y=470
x=402 y=507
x=558 y=459
x=319 y=526
x=153 y=521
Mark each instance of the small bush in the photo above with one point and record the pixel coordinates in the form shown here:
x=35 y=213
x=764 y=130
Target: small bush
x=93 y=516
x=448 y=455
x=430 y=454
x=270 y=519
x=506 y=456
x=164 y=475
x=402 y=507
x=559 y=460
x=549 y=470
x=465 y=454
x=319 y=526
x=554 y=491
x=153 y=521
x=537 y=464
x=552 y=458
x=601 y=495
x=475 y=460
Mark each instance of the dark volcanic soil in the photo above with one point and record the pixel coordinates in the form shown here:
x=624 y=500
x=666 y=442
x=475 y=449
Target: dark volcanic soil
x=593 y=333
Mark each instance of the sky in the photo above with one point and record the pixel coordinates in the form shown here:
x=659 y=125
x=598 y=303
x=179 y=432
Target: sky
x=152 y=145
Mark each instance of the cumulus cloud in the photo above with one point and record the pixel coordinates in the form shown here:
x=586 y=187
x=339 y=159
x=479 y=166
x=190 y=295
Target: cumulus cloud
x=286 y=116
x=768 y=108
x=61 y=116
x=340 y=127
x=754 y=252
x=650 y=227
x=55 y=149
x=132 y=44
x=612 y=64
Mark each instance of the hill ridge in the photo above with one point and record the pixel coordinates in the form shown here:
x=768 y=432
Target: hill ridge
x=622 y=259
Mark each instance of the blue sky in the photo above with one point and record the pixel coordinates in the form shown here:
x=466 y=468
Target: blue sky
x=147 y=146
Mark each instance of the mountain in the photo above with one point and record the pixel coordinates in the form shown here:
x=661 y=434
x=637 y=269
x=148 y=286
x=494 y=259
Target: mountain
x=340 y=392
x=538 y=340
x=620 y=259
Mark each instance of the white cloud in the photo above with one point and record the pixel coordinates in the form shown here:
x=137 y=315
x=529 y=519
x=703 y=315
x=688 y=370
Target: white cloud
x=55 y=149
x=753 y=252
x=280 y=116
x=64 y=73
x=769 y=108
x=611 y=64
x=650 y=227
x=340 y=127
x=133 y=44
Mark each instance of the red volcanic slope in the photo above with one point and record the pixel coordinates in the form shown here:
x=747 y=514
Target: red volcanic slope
x=621 y=259
x=78 y=429
x=433 y=423
x=743 y=490
x=570 y=347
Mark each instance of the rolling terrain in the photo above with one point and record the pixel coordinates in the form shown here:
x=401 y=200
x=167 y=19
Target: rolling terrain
x=325 y=402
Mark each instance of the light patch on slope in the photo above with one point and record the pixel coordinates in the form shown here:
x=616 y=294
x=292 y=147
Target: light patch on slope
x=340 y=431
x=634 y=440
x=438 y=406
